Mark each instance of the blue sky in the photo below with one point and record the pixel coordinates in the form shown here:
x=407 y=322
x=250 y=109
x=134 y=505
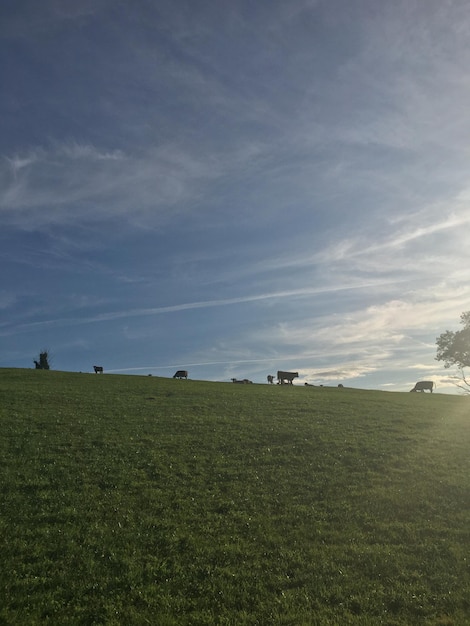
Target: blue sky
x=234 y=187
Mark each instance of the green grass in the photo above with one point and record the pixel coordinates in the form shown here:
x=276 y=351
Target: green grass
x=143 y=500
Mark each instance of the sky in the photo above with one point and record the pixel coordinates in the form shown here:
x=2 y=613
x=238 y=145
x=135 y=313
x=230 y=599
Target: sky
x=235 y=187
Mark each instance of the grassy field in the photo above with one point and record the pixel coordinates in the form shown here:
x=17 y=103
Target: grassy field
x=142 y=500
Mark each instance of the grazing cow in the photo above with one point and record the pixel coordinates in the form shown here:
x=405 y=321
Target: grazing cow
x=286 y=378
x=98 y=369
x=270 y=379
x=181 y=374
x=245 y=381
x=424 y=384
x=340 y=386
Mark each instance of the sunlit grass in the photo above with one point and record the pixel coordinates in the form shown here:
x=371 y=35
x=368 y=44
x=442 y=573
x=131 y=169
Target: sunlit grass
x=129 y=500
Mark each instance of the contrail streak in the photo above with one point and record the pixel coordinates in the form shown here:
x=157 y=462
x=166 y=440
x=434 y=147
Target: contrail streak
x=9 y=329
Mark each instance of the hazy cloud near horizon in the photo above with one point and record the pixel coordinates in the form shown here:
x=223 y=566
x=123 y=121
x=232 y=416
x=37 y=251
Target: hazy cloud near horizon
x=235 y=184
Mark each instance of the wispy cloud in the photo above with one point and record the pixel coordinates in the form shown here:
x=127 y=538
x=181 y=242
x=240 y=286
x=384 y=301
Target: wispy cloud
x=28 y=19
x=74 y=182
x=97 y=184
x=144 y=312
x=352 y=345
x=302 y=167
x=385 y=248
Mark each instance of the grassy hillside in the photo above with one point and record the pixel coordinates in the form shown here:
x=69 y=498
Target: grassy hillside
x=143 y=500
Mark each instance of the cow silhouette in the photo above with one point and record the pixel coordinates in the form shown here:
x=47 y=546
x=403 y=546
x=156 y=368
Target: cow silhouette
x=181 y=374
x=286 y=378
x=422 y=385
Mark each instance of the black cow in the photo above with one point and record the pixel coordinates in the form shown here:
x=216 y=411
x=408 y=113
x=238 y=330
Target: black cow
x=422 y=385
x=286 y=378
x=181 y=374
x=270 y=379
x=98 y=369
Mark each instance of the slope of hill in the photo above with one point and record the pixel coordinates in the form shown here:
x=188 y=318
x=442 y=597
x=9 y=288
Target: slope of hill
x=143 y=500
